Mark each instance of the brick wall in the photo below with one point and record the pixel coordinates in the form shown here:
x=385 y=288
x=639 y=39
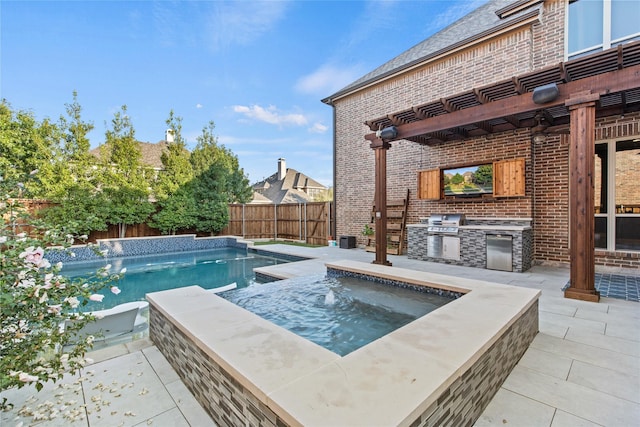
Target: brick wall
x=547 y=174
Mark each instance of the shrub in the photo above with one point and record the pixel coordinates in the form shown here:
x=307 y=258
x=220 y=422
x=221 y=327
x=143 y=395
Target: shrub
x=35 y=299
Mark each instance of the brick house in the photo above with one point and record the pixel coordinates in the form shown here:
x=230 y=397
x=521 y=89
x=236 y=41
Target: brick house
x=464 y=97
x=287 y=185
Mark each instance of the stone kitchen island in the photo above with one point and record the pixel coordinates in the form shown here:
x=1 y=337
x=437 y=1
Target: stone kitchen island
x=495 y=243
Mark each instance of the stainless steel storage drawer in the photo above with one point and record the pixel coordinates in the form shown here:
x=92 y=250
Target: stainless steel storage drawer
x=500 y=252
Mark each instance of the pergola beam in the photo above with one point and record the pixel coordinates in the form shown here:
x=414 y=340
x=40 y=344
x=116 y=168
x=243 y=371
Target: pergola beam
x=611 y=82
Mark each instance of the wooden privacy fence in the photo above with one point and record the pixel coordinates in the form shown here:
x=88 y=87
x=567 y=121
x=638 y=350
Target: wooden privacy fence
x=310 y=222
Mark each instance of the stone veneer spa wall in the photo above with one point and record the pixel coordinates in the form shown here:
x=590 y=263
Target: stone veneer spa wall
x=442 y=369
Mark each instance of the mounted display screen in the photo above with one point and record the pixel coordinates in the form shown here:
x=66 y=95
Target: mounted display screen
x=468 y=181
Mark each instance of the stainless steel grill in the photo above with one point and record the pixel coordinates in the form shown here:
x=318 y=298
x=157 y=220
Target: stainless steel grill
x=445 y=223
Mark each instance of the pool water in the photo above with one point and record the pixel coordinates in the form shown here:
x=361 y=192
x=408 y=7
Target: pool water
x=340 y=314
x=145 y=274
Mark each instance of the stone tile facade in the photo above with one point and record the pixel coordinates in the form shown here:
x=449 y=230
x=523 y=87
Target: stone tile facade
x=464 y=401
x=225 y=399
x=139 y=246
x=473 y=243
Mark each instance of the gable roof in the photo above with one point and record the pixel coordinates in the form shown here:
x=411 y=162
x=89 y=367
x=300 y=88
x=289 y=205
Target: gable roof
x=489 y=19
x=288 y=190
x=151 y=154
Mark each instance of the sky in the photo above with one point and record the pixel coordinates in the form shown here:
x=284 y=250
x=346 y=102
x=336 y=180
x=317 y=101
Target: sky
x=257 y=69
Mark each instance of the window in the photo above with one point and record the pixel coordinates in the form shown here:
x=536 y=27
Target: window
x=595 y=25
x=617 y=195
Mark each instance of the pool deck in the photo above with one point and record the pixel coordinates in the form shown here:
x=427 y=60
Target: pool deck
x=583 y=368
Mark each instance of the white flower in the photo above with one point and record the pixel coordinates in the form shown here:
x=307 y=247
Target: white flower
x=43 y=298
x=124 y=270
x=59 y=265
x=115 y=290
x=26 y=378
x=27 y=283
x=107 y=267
x=90 y=339
x=3 y=239
x=35 y=256
x=96 y=297
x=73 y=301
x=55 y=309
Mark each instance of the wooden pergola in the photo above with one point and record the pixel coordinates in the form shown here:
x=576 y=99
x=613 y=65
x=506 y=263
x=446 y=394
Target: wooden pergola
x=598 y=85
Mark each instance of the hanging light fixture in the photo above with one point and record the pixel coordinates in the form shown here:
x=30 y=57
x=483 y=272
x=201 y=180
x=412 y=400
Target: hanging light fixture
x=546 y=93
x=387 y=133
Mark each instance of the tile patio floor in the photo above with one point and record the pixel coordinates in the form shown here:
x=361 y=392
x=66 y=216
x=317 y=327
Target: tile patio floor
x=583 y=368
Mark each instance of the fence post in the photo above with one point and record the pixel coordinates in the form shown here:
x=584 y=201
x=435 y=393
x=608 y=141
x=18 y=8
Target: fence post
x=275 y=221
x=299 y=221
x=243 y=230
x=306 y=223
x=328 y=208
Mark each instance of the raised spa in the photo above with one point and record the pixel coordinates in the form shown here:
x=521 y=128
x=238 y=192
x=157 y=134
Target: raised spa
x=341 y=314
x=440 y=369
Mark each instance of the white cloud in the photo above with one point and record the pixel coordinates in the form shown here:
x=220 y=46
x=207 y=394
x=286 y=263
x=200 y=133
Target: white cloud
x=328 y=79
x=198 y=105
x=216 y=24
x=270 y=115
x=241 y=22
x=257 y=140
x=450 y=15
x=318 y=128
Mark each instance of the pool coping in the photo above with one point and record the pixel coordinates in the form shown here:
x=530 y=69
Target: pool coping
x=388 y=382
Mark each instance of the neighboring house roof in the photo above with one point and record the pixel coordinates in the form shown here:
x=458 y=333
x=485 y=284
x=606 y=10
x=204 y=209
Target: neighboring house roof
x=259 y=199
x=488 y=19
x=150 y=153
x=291 y=189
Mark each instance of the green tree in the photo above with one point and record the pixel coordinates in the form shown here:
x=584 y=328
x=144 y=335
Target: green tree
x=78 y=206
x=26 y=145
x=125 y=184
x=177 y=169
x=483 y=175
x=218 y=181
x=177 y=207
x=457 y=179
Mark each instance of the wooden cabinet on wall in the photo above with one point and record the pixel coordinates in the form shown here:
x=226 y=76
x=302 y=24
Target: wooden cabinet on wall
x=429 y=185
x=508 y=180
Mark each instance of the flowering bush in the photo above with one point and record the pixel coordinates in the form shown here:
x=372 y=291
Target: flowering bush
x=36 y=300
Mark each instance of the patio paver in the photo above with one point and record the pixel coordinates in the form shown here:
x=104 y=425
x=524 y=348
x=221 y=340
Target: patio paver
x=583 y=368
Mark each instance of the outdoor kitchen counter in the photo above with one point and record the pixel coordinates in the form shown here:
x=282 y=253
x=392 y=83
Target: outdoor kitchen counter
x=469 y=243
x=482 y=227
x=496 y=227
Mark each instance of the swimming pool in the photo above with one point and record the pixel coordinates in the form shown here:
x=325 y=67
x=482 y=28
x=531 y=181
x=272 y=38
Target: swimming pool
x=341 y=314
x=152 y=273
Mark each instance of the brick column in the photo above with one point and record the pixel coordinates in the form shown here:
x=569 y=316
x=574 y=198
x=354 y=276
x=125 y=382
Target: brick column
x=582 y=107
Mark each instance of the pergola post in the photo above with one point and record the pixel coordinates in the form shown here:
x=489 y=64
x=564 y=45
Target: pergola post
x=380 y=148
x=582 y=107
